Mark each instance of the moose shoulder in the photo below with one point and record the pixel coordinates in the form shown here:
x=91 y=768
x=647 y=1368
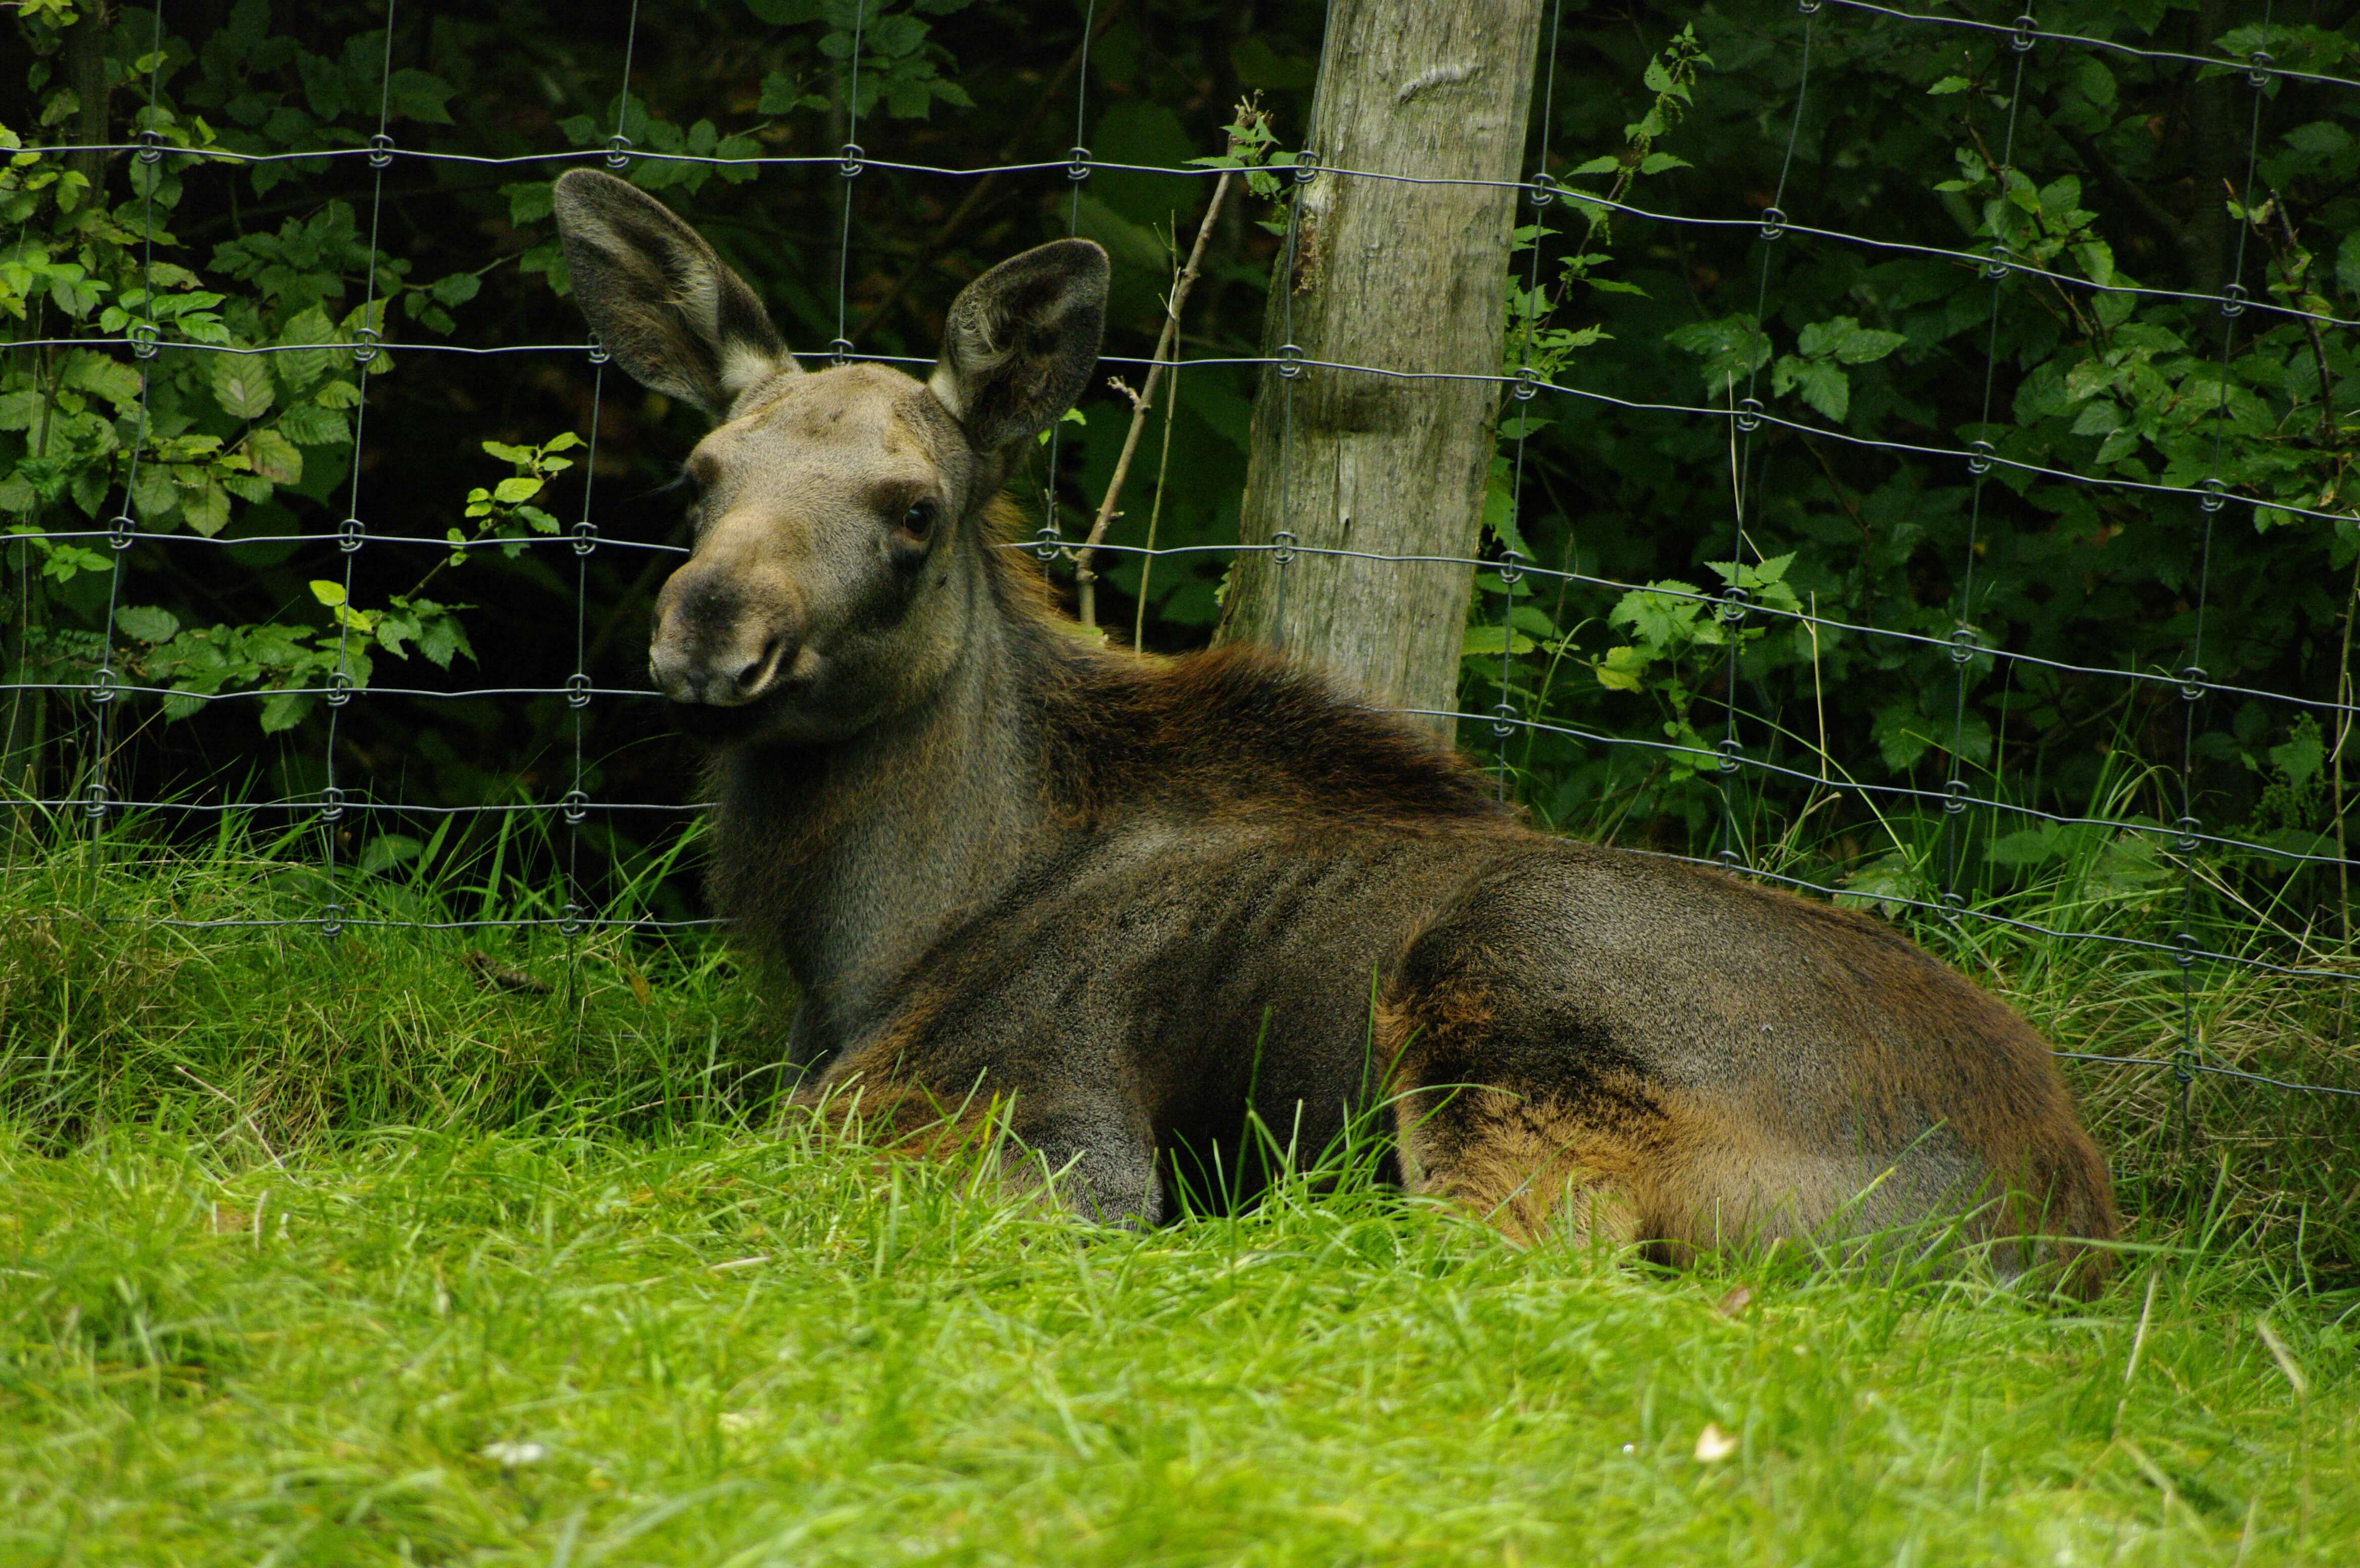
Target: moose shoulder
x=1133 y=899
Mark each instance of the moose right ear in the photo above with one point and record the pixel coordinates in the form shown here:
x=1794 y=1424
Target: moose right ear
x=1021 y=340
x=670 y=311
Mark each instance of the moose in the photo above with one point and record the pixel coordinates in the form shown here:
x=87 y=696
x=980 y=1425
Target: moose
x=1144 y=910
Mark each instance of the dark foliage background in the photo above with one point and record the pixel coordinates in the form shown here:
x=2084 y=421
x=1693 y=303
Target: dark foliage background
x=2120 y=169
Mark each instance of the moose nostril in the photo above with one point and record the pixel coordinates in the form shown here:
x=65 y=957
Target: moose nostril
x=752 y=675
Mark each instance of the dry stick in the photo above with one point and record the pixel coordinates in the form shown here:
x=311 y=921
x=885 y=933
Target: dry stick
x=1085 y=579
x=1155 y=515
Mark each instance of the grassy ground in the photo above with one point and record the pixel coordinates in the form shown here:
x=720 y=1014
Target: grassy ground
x=416 y=1246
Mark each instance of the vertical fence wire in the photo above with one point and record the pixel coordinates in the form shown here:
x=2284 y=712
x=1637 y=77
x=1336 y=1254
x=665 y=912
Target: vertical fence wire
x=367 y=337
x=126 y=531
x=1964 y=641
x=2189 y=1049
x=1746 y=419
x=852 y=160
x=1504 y=714
x=1049 y=541
x=575 y=807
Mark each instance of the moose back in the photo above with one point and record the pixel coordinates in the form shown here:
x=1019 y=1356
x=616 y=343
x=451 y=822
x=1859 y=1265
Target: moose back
x=1133 y=899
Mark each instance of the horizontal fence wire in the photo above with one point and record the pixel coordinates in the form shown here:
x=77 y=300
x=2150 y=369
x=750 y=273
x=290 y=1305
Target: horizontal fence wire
x=145 y=340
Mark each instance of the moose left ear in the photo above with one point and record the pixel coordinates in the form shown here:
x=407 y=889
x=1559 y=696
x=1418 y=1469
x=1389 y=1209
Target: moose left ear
x=1021 y=342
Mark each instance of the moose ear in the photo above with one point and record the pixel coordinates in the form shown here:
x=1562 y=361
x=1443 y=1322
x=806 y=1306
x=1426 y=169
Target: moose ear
x=1021 y=341
x=668 y=309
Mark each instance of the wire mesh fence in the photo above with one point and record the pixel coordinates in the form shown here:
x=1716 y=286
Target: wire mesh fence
x=1741 y=752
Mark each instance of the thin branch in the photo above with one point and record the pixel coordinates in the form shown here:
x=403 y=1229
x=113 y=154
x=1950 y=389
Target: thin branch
x=1085 y=577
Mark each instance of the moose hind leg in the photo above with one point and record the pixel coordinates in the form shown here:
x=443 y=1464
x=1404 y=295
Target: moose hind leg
x=1523 y=1164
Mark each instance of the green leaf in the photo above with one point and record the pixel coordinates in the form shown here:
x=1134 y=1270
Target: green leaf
x=1902 y=735
x=298 y=364
x=1622 y=670
x=284 y=710
x=1843 y=338
x=1485 y=642
x=207 y=510
x=455 y=289
x=242 y=384
x=1732 y=349
x=1949 y=84
x=1821 y=384
x=419 y=95
x=1656 y=162
x=2300 y=758
x=309 y=425
x=118 y=383
x=2347 y=263
x=328 y=593
x=144 y=623
x=517 y=488
x=1607 y=165
x=275 y=457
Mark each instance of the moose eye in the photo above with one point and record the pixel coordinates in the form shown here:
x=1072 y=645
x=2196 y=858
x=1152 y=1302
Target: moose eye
x=918 y=521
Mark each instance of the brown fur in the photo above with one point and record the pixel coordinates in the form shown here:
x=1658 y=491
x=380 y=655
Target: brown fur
x=1145 y=903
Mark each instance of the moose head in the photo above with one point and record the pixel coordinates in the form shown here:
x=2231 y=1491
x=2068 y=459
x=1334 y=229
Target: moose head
x=839 y=566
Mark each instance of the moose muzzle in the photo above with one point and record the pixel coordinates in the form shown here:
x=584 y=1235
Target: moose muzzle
x=718 y=645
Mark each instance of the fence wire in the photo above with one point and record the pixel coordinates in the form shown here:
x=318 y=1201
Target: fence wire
x=1730 y=763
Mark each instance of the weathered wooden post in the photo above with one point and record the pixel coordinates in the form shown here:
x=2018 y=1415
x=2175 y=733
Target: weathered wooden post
x=1404 y=276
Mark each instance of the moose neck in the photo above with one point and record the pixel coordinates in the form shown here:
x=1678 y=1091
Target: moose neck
x=846 y=860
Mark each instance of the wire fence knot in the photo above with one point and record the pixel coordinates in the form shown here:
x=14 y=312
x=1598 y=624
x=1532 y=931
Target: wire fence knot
x=2184 y=948
x=1048 y=540
x=349 y=535
x=1732 y=606
x=1773 y=223
x=331 y=920
x=573 y=924
x=1503 y=719
x=1981 y=462
x=381 y=152
x=151 y=145
x=2214 y=493
x=598 y=354
x=1807 y=8
x=1282 y=547
x=2259 y=66
x=1290 y=361
x=2233 y=301
x=331 y=804
x=618 y=151
x=1731 y=755
x=577 y=807
x=585 y=538
x=144 y=336
x=101 y=684
x=2026 y=34
x=1528 y=381
x=365 y=342
x=1077 y=163
x=1954 y=798
x=1511 y=567
x=1749 y=414
x=2186 y=842
x=340 y=689
x=577 y=690
x=2191 y=684
x=2000 y=261
x=1541 y=188
x=1306 y=167
x=94 y=801
x=1962 y=645
x=121 y=534
x=852 y=158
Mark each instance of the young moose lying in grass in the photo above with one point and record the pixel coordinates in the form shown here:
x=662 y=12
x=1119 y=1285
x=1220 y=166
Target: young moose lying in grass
x=1132 y=899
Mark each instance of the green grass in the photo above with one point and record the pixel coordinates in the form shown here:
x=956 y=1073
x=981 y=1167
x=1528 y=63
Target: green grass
x=362 y=1249
x=710 y=1348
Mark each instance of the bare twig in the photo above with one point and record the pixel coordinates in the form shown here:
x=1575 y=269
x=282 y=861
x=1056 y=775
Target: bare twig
x=1085 y=577
x=2318 y=350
